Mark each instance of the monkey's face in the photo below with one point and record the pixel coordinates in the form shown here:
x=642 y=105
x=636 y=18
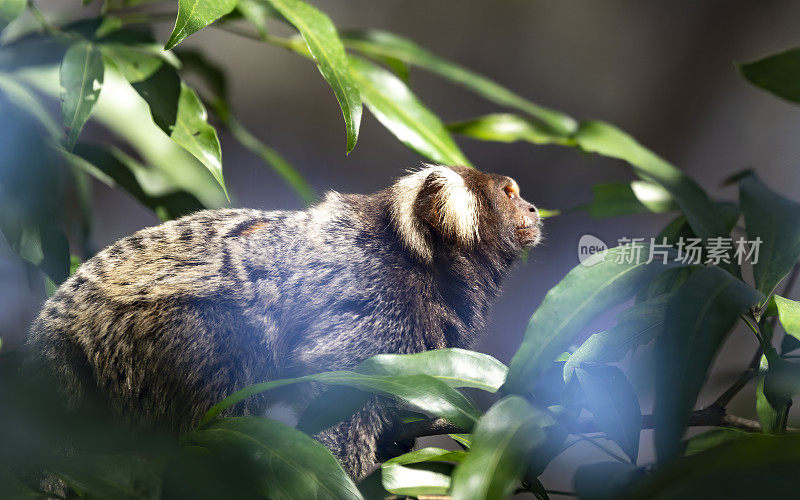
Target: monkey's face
x=516 y=221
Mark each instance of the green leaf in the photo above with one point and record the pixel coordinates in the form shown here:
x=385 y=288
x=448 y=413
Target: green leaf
x=607 y=140
x=636 y=326
x=776 y=221
x=385 y=44
x=605 y=480
x=420 y=392
x=400 y=479
x=109 y=476
x=712 y=438
x=399 y=110
x=193 y=132
x=194 y=15
x=10 y=10
x=454 y=367
x=585 y=292
x=327 y=49
x=789 y=315
x=755 y=466
x=505 y=127
x=701 y=314
x=614 y=199
x=81 y=78
x=778 y=74
x=282 y=462
x=501 y=443
x=136 y=63
x=614 y=404
x=771 y=414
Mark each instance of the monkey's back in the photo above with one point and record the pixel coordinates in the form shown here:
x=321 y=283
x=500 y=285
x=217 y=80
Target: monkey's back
x=155 y=321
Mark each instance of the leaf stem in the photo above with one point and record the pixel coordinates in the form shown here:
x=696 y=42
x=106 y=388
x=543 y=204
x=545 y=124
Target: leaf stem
x=603 y=448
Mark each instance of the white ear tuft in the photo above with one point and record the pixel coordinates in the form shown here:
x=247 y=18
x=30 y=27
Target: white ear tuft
x=456 y=209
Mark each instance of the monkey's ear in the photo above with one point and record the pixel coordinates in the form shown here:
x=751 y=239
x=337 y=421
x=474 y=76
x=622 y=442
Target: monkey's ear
x=435 y=198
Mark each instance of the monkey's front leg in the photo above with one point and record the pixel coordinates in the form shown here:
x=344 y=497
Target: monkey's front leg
x=366 y=439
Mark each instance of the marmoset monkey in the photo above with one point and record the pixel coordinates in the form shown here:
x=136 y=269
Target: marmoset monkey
x=166 y=322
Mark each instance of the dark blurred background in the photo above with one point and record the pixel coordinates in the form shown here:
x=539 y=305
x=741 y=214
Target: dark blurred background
x=662 y=71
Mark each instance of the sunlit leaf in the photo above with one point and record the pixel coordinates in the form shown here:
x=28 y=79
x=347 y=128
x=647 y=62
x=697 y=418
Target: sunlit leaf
x=789 y=315
x=771 y=414
x=385 y=44
x=399 y=110
x=501 y=443
x=614 y=404
x=701 y=313
x=194 y=15
x=454 y=367
x=776 y=73
x=193 y=132
x=614 y=199
x=327 y=49
x=81 y=78
x=587 y=291
x=280 y=461
x=400 y=479
x=776 y=221
x=504 y=127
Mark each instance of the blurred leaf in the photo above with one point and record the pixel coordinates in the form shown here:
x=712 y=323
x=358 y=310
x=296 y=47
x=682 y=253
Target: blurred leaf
x=278 y=163
x=194 y=15
x=399 y=110
x=789 y=315
x=776 y=221
x=109 y=476
x=505 y=127
x=464 y=440
x=256 y=12
x=328 y=52
x=501 y=443
x=614 y=199
x=30 y=102
x=10 y=10
x=605 y=480
x=607 y=140
x=614 y=404
x=454 y=367
x=778 y=74
x=282 y=462
x=701 y=313
x=400 y=479
x=585 y=292
x=385 y=44
x=711 y=438
x=81 y=78
x=755 y=466
x=420 y=392
x=637 y=325
x=115 y=169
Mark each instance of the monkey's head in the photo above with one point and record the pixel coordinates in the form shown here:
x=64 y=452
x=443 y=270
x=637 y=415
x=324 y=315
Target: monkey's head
x=464 y=207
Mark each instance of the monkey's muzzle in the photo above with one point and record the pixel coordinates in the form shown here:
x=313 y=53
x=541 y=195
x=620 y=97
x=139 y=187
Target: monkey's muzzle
x=529 y=231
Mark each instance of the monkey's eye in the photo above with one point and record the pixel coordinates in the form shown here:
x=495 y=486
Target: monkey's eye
x=511 y=191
